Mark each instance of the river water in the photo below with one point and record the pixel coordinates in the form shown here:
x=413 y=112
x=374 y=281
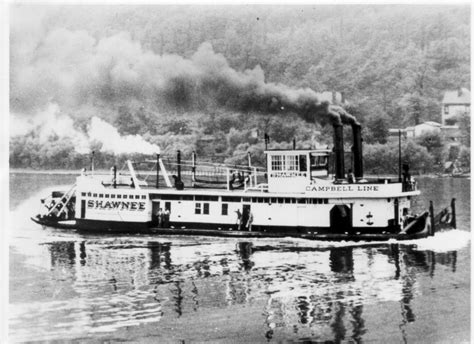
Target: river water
x=68 y=286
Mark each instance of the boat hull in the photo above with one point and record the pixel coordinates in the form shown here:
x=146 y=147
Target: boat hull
x=418 y=228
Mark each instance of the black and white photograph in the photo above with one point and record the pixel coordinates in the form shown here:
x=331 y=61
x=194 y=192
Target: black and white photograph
x=236 y=173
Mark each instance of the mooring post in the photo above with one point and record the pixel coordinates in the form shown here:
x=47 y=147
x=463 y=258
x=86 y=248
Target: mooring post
x=432 y=231
x=453 y=211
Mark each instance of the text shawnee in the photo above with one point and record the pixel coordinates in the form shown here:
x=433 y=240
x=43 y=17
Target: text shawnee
x=119 y=205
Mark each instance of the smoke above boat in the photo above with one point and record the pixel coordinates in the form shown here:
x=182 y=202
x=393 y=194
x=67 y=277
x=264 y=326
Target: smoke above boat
x=76 y=69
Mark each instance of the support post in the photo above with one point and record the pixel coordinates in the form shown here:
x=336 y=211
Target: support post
x=115 y=177
x=399 y=156
x=453 y=211
x=157 y=171
x=432 y=220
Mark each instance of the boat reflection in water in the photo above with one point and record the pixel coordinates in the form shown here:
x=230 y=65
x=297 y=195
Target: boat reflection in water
x=280 y=289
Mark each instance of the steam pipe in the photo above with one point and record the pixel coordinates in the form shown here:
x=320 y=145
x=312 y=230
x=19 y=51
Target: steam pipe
x=339 y=152
x=193 y=168
x=179 y=165
x=357 y=151
x=92 y=162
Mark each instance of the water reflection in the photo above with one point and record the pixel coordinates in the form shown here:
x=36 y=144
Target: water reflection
x=314 y=293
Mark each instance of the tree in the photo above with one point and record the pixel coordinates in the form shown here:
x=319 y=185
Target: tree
x=377 y=129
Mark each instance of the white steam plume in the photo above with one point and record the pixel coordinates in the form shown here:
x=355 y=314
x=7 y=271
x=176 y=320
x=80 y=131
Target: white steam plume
x=112 y=141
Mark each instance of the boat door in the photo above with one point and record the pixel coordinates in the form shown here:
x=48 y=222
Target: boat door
x=83 y=208
x=245 y=216
x=154 y=211
x=340 y=218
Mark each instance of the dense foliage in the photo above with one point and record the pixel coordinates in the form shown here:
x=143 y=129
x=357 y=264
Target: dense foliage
x=392 y=64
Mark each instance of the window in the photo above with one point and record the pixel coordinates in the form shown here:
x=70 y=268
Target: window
x=206 y=209
x=168 y=206
x=106 y=195
x=197 y=209
x=225 y=209
x=94 y=195
x=83 y=194
x=231 y=199
x=137 y=196
x=143 y=196
x=277 y=163
x=303 y=163
x=112 y=196
x=89 y=194
x=119 y=196
x=101 y=195
x=207 y=198
x=292 y=162
x=446 y=109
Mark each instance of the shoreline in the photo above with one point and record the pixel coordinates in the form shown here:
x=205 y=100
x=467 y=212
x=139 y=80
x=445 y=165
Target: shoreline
x=76 y=172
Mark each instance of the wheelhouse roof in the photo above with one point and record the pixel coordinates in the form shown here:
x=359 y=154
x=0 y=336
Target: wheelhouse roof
x=299 y=151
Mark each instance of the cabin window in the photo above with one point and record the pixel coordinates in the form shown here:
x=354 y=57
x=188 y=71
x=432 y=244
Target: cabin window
x=112 y=196
x=119 y=196
x=89 y=194
x=318 y=162
x=303 y=165
x=197 y=209
x=101 y=195
x=143 y=196
x=94 y=195
x=137 y=196
x=106 y=195
x=277 y=163
x=246 y=199
x=231 y=199
x=280 y=200
x=292 y=163
x=446 y=109
x=206 y=209
x=287 y=200
x=301 y=200
x=187 y=198
x=168 y=206
x=225 y=209
x=206 y=198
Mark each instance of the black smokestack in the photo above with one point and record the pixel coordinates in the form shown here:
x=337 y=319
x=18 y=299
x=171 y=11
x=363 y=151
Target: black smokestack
x=339 y=152
x=357 y=151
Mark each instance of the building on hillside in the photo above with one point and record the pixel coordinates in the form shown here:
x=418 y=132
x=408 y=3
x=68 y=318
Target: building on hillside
x=332 y=97
x=417 y=130
x=453 y=104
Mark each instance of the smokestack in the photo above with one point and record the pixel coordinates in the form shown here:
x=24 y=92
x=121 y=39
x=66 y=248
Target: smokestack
x=357 y=151
x=339 y=152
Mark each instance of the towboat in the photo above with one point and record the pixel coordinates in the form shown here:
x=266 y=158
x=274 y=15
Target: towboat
x=303 y=193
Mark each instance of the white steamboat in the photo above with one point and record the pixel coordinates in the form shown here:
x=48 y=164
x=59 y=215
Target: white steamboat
x=296 y=195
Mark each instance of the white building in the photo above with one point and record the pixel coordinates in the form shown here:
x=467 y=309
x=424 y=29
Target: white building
x=455 y=103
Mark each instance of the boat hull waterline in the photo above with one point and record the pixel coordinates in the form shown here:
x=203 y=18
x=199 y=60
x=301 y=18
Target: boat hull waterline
x=420 y=227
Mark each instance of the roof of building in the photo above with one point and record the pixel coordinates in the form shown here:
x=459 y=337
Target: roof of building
x=459 y=96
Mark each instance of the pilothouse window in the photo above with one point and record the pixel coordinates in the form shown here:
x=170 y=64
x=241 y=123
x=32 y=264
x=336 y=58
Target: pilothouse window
x=277 y=163
x=292 y=163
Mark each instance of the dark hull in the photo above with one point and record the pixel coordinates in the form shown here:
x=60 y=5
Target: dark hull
x=418 y=228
